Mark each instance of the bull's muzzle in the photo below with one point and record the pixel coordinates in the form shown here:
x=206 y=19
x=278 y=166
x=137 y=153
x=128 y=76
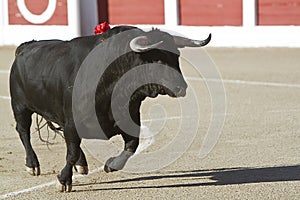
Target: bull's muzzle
x=180 y=91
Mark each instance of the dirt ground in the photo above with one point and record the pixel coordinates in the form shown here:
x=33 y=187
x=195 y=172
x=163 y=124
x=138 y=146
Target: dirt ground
x=256 y=156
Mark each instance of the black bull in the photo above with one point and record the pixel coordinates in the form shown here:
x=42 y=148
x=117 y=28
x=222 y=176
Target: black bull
x=42 y=79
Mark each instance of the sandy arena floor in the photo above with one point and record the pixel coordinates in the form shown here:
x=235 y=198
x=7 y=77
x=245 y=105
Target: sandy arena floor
x=256 y=157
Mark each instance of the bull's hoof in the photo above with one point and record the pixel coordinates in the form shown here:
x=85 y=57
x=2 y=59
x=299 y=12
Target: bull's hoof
x=108 y=165
x=84 y=170
x=107 y=169
x=34 y=171
x=117 y=163
x=63 y=188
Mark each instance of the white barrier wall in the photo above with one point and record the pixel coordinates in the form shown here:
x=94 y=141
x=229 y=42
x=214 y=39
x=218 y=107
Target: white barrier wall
x=247 y=35
x=42 y=26
x=262 y=36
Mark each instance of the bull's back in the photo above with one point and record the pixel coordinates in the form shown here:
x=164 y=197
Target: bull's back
x=42 y=76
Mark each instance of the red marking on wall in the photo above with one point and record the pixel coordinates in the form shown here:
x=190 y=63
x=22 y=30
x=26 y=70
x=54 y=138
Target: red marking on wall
x=136 y=11
x=37 y=7
x=211 y=13
x=278 y=12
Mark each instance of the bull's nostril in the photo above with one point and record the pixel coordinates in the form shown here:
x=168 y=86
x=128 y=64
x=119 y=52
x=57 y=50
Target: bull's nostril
x=179 y=91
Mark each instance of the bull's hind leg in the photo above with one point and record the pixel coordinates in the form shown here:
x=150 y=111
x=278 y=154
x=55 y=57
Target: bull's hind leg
x=81 y=165
x=23 y=119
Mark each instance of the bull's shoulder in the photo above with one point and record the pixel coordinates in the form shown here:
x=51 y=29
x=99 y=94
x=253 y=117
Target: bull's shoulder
x=116 y=30
x=93 y=40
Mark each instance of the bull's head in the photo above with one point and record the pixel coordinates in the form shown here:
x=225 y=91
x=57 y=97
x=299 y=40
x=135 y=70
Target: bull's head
x=161 y=48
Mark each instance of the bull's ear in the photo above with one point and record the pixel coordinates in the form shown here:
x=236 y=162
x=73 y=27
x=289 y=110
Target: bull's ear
x=186 y=42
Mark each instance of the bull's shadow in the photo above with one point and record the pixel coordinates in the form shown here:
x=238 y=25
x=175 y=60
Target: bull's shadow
x=225 y=176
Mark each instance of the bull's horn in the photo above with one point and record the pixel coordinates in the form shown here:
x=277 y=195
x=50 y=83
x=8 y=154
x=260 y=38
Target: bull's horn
x=140 y=44
x=185 y=42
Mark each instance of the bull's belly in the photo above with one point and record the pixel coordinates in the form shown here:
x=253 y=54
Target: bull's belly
x=50 y=112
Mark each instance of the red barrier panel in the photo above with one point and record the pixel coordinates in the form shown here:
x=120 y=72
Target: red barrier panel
x=278 y=12
x=211 y=13
x=136 y=11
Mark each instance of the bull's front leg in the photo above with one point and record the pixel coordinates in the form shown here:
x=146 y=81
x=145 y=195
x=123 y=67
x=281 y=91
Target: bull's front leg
x=117 y=163
x=64 y=182
x=131 y=138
